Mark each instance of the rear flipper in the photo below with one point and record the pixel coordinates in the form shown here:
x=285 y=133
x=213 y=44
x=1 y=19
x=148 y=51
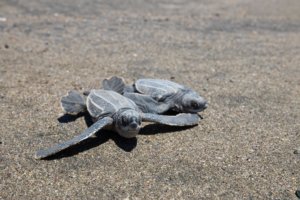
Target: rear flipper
x=183 y=119
x=115 y=83
x=146 y=103
x=73 y=103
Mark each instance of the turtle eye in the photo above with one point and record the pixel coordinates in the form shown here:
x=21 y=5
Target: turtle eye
x=124 y=121
x=138 y=120
x=194 y=104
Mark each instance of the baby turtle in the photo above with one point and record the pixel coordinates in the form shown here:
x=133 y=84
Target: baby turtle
x=110 y=109
x=158 y=96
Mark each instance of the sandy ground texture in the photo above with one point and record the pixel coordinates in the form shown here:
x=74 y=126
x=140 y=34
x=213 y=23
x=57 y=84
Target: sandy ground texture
x=243 y=56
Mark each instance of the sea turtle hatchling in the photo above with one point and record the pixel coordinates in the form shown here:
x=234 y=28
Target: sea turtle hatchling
x=110 y=109
x=157 y=95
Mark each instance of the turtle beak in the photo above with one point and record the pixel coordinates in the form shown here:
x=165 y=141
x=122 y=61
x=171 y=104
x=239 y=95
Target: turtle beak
x=201 y=105
x=205 y=105
x=133 y=125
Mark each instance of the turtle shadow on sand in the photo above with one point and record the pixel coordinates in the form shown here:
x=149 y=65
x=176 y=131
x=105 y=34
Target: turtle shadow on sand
x=101 y=137
x=66 y=118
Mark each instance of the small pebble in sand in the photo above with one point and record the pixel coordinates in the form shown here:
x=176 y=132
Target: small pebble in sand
x=297 y=151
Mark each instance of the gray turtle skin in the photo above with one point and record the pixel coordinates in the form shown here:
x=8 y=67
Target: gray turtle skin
x=158 y=96
x=110 y=109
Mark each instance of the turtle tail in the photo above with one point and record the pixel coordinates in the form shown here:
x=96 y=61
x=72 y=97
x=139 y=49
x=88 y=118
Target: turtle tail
x=73 y=103
x=114 y=83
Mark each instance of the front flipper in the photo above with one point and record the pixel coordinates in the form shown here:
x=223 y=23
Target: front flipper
x=183 y=119
x=147 y=104
x=86 y=134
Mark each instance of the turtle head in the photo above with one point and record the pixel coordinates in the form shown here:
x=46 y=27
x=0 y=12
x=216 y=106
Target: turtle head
x=193 y=103
x=128 y=123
